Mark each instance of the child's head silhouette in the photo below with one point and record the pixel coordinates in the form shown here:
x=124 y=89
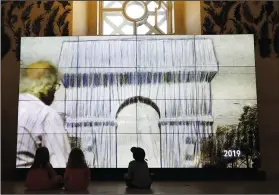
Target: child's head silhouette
x=41 y=158
x=76 y=159
x=138 y=153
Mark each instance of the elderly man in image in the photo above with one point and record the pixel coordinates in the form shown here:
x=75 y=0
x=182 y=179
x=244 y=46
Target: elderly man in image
x=38 y=123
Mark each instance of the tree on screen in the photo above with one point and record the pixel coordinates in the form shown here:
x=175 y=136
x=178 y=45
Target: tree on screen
x=244 y=137
x=248 y=128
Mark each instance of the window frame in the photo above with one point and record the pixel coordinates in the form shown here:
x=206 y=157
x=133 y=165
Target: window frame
x=178 y=18
x=169 y=19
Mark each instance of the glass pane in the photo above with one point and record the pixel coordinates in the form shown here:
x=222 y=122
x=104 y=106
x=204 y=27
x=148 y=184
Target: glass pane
x=164 y=27
x=116 y=24
x=152 y=6
x=112 y=4
x=162 y=20
x=128 y=30
x=107 y=30
x=151 y=20
x=135 y=10
x=116 y=20
x=143 y=29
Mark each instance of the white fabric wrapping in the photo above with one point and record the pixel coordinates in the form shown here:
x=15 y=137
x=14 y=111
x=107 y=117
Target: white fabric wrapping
x=188 y=100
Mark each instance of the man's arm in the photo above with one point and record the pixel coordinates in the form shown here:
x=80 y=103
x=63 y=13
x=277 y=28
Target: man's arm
x=55 y=138
x=26 y=148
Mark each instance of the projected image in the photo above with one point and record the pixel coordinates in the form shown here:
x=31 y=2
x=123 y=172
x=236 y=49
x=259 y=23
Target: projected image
x=189 y=101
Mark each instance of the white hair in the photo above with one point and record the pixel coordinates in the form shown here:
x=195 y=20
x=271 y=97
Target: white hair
x=41 y=85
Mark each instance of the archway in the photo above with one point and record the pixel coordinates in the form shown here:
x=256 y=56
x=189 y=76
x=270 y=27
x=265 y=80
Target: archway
x=138 y=125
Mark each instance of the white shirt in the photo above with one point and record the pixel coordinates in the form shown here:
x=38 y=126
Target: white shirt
x=39 y=124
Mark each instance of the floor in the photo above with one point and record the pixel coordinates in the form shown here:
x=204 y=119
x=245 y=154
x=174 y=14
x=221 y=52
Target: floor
x=261 y=187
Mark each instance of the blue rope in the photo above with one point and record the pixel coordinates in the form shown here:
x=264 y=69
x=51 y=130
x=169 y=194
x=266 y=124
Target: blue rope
x=130 y=78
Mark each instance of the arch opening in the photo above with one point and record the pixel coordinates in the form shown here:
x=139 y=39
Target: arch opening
x=138 y=125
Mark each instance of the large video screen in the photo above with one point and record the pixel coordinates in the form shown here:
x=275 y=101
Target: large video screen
x=188 y=101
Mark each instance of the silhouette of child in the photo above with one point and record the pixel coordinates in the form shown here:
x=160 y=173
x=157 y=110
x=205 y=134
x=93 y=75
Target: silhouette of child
x=41 y=175
x=77 y=174
x=138 y=173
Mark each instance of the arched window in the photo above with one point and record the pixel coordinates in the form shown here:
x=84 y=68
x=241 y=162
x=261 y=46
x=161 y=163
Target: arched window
x=135 y=17
x=110 y=17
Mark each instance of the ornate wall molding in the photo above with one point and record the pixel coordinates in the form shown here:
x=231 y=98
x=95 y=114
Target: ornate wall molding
x=33 y=18
x=260 y=18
